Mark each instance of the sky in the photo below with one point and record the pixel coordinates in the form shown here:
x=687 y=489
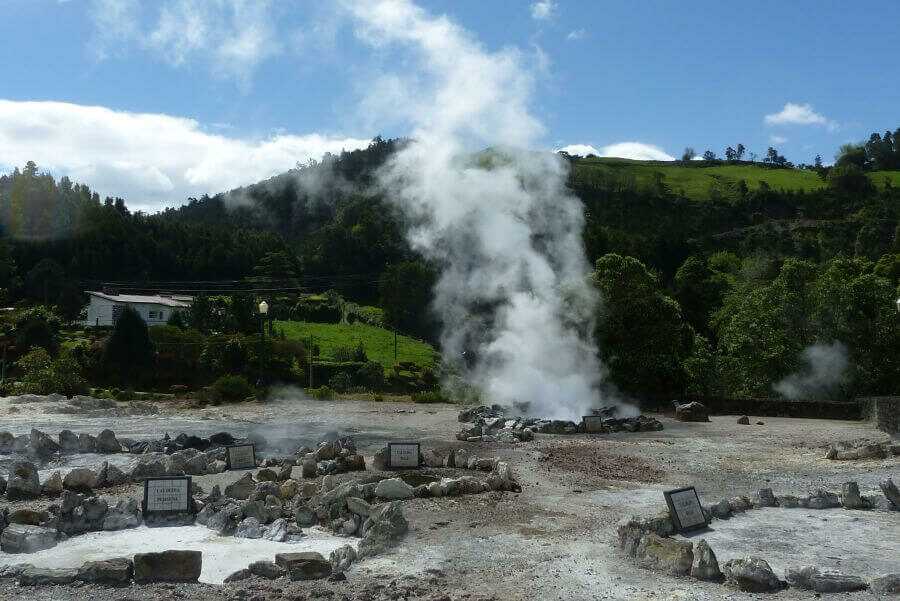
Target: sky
x=158 y=101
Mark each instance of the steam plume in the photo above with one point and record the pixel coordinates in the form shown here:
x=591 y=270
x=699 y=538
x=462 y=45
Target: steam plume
x=821 y=376
x=513 y=293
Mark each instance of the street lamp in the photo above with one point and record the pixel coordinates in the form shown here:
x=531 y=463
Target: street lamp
x=263 y=313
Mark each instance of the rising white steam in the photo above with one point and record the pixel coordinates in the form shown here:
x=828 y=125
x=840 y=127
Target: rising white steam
x=822 y=375
x=513 y=293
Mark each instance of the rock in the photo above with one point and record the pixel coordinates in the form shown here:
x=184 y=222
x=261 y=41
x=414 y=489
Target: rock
x=22 y=538
x=432 y=458
x=890 y=491
x=256 y=509
x=225 y=520
x=237 y=576
x=304 y=566
x=53 y=487
x=107 y=442
x=721 y=510
x=167 y=566
x=308 y=467
x=148 y=468
x=41 y=445
x=3 y=485
x=822 y=499
x=341 y=559
x=850 y=498
x=32 y=576
x=80 y=479
x=248 y=528
x=95 y=509
x=739 y=504
x=889 y=584
x=108 y=571
x=68 y=441
x=501 y=477
x=266 y=569
x=110 y=475
x=766 y=498
x=394 y=488
x=813 y=579
x=242 y=488
x=461 y=458
x=87 y=443
x=692 y=412
x=222 y=439
x=28 y=516
x=6 y=442
x=124 y=514
x=382 y=529
x=23 y=482
x=705 y=565
x=359 y=506
x=744 y=420
x=665 y=555
x=788 y=501
x=752 y=575
x=264 y=490
x=279 y=531
x=266 y=475
x=288 y=489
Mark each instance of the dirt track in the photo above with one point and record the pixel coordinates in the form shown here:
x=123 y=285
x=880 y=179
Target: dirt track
x=552 y=541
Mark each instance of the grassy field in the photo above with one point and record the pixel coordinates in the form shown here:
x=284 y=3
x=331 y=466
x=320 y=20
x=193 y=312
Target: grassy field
x=378 y=342
x=696 y=182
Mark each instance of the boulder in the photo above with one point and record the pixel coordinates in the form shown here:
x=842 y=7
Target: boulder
x=279 y=531
x=3 y=485
x=225 y=519
x=148 y=468
x=721 y=510
x=242 y=488
x=266 y=569
x=788 y=501
x=705 y=566
x=23 y=482
x=308 y=467
x=80 y=479
x=22 y=538
x=359 y=506
x=41 y=445
x=822 y=499
x=341 y=559
x=110 y=475
x=256 y=509
x=288 y=489
x=222 y=439
x=238 y=576
x=890 y=491
x=850 y=497
x=262 y=490
x=248 y=528
x=692 y=412
x=266 y=475
x=744 y=420
x=394 y=488
x=108 y=443
x=739 y=504
x=6 y=442
x=501 y=477
x=167 y=566
x=382 y=529
x=667 y=555
x=87 y=443
x=115 y=571
x=68 y=441
x=813 y=579
x=889 y=584
x=53 y=487
x=33 y=576
x=752 y=575
x=28 y=516
x=432 y=458
x=304 y=566
x=766 y=498
x=124 y=514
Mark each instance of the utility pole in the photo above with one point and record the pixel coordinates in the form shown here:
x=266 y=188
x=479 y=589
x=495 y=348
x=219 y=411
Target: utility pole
x=309 y=355
x=395 y=345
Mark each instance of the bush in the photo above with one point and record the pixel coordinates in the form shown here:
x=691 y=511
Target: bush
x=230 y=389
x=38 y=326
x=341 y=382
x=431 y=396
x=371 y=375
x=343 y=354
x=323 y=393
x=129 y=353
x=44 y=375
x=124 y=396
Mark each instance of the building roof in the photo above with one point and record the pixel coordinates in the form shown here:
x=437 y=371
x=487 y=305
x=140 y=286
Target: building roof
x=178 y=302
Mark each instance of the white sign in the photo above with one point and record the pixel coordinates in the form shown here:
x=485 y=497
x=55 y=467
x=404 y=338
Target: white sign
x=685 y=506
x=167 y=495
x=403 y=454
x=241 y=457
x=593 y=423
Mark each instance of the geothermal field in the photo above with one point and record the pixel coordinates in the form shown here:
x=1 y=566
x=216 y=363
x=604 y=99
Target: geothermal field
x=484 y=505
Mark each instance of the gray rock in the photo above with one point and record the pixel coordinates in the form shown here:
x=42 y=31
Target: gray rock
x=304 y=566
x=3 y=485
x=705 y=566
x=461 y=458
x=110 y=475
x=197 y=465
x=889 y=584
x=28 y=516
x=41 y=445
x=890 y=491
x=394 y=488
x=80 y=479
x=238 y=576
x=266 y=569
x=432 y=458
x=788 y=501
x=765 y=498
x=813 y=579
x=692 y=412
x=822 y=499
x=739 y=504
x=225 y=520
x=358 y=506
x=107 y=442
x=167 y=566
x=248 y=528
x=32 y=576
x=124 y=514
x=148 y=468
x=53 y=487
x=87 y=443
x=752 y=575
x=6 y=442
x=242 y=488
x=308 y=467
x=721 y=510
x=278 y=531
x=667 y=555
x=342 y=558
x=109 y=571
x=382 y=529
x=256 y=509
x=850 y=498
x=304 y=516
x=22 y=538
x=744 y=420
x=23 y=482
x=68 y=441
x=264 y=489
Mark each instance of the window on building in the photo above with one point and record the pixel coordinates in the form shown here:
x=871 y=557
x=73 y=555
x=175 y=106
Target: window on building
x=153 y=314
x=162 y=314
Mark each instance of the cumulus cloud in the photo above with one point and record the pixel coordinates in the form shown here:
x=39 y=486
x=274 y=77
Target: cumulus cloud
x=799 y=114
x=774 y=139
x=232 y=36
x=543 y=10
x=581 y=150
x=622 y=150
x=576 y=34
x=151 y=160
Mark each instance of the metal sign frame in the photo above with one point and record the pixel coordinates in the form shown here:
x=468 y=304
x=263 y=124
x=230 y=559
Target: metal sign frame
x=676 y=521
x=228 y=465
x=189 y=500
x=403 y=444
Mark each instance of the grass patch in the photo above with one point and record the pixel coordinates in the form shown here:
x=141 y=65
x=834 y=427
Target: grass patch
x=377 y=342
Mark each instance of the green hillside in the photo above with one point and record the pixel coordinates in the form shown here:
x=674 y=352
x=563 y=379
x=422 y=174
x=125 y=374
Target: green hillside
x=697 y=179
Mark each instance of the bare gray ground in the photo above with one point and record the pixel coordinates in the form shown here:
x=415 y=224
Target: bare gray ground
x=555 y=540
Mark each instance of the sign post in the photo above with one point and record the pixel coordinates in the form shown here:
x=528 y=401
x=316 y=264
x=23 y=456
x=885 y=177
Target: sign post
x=685 y=509
x=593 y=423
x=167 y=496
x=403 y=455
x=240 y=457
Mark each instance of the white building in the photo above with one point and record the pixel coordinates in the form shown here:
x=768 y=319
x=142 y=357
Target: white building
x=105 y=309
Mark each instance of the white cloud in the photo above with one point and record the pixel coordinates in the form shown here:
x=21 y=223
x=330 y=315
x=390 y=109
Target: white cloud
x=151 y=160
x=576 y=34
x=543 y=9
x=777 y=139
x=581 y=150
x=233 y=36
x=636 y=150
x=799 y=114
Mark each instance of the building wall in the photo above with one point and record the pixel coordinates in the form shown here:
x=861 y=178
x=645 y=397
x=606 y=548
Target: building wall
x=883 y=412
x=101 y=310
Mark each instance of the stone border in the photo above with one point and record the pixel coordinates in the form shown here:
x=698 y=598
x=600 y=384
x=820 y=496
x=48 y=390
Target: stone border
x=648 y=541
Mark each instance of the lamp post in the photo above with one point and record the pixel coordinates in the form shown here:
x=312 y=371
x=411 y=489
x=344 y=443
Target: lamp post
x=263 y=314
x=898 y=305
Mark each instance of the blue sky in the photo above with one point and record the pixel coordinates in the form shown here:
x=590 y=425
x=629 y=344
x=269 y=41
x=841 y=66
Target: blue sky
x=159 y=100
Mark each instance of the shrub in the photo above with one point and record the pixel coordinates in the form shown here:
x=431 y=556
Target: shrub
x=129 y=353
x=230 y=389
x=371 y=375
x=124 y=396
x=323 y=393
x=431 y=396
x=44 y=375
x=38 y=326
x=340 y=382
x=343 y=354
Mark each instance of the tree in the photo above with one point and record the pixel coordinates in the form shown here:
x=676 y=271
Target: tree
x=739 y=153
x=730 y=154
x=773 y=158
x=699 y=291
x=709 y=155
x=851 y=154
x=37 y=327
x=406 y=295
x=688 y=154
x=128 y=355
x=44 y=281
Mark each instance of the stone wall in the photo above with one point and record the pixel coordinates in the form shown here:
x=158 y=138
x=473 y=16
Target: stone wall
x=772 y=407
x=883 y=412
